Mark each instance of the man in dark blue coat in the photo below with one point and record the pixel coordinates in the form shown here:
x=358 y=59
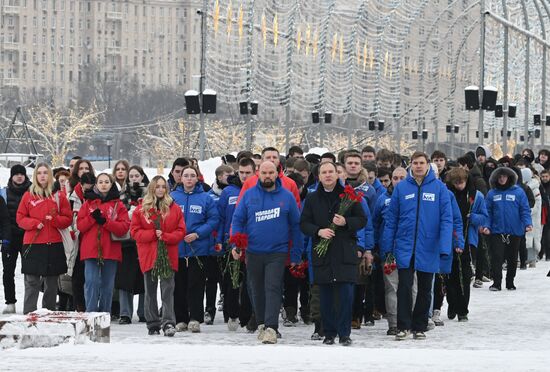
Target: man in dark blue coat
x=419 y=229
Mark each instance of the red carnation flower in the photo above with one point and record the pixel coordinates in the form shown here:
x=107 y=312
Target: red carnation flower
x=239 y=240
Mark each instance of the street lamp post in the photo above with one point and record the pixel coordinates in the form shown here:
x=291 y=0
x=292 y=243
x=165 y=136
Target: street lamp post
x=109 y=145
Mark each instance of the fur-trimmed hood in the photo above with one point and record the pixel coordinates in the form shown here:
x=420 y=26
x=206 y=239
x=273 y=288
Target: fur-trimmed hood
x=512 y=177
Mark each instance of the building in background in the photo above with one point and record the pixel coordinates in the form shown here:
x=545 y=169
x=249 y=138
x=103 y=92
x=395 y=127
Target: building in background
x=52 y=48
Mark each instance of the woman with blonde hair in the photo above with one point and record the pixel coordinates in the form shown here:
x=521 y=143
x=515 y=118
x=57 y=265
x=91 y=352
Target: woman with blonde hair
x=42 y=214
x=158 y=221
x=102 y=217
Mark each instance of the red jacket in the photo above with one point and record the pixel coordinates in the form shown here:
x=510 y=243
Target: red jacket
x=143 y=232
x=88 y=228
x=287 y=183
x=33 y=210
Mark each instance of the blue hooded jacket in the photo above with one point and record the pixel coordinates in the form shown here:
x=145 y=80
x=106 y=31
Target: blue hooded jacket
x=365 y=236
x=201 y=217
x=478 y=218
x=419 y=222
x=271 y=220
x=369 y=194
x=226 y=207
x=379 y=220
x=507 y=208
x=446 y=263
x=379 y=188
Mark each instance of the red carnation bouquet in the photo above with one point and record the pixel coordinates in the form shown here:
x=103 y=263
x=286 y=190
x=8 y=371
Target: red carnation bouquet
x=347 y=199
x=389 y=264
x=299 y=271
x=161 y=268
x=240 y=241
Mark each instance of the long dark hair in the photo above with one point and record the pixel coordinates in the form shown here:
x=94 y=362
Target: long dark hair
x=74 y=179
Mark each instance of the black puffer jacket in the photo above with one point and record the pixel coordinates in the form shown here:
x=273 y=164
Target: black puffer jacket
x=341 y=261
x=14 y=194
x=5 y=226
x=477 y=178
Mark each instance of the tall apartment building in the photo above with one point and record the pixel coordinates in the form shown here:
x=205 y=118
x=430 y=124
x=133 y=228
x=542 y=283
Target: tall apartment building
x=51 y=47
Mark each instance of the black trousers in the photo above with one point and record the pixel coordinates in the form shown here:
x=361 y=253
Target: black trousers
x=213 y=277
x=292 y=287
x=545 y=242
x=416 y=319
x=458 y=296
x=439 y=291
x=379 y=289
x=78 y=280
x=504 y=247
x=236 y=302
x=190 y=280
x=481 y=255
x=363 y=300
x=9 y=262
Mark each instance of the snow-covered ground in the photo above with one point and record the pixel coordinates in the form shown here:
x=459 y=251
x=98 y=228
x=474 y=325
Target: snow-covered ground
x=507 y=331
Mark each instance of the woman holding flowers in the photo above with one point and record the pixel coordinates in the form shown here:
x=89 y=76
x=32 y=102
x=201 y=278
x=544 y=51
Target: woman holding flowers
x=332 y=216
x=158 y=227
x=41 y=214
x=201 y=218
x=101 y=216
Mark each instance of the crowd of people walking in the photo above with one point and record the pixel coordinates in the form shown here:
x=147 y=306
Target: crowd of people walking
x=336 y=241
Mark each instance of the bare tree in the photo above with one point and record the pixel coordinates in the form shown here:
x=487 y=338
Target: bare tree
x=57 y=132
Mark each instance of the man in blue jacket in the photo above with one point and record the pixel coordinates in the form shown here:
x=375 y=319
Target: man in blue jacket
x=379 y=223
x=269 y=215
x=509 y=219
x=419 y=229
x=236 y=303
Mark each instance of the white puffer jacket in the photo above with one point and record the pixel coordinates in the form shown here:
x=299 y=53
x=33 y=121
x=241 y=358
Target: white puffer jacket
x=533 y=238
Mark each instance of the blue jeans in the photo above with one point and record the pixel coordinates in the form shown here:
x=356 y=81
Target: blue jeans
x=127 y=304
x=336 y=322
x=99 y=284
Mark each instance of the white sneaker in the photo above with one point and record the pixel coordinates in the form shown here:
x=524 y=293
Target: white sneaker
x=180 y=327
x=402 y=335
x=431 y=324
x=208 y=319
x=9 y=309
x=261 y=331
x=233 y=324
x=194 y=326
x=437 y=318
x=270 y=336
x=484 y=279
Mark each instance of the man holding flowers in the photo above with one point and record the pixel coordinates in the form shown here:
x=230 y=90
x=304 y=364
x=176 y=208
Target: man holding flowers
x=332 y=216
x=269 y=215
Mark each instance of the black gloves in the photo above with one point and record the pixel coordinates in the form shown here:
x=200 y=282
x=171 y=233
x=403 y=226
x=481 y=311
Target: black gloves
x=136 y=186
x=96 y=214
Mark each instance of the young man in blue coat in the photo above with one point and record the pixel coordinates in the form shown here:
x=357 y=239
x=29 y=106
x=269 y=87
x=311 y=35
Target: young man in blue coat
x=418 y=231
x=269 y=215
x=473 y=214
x=358 y=178
x=390 y=280
x=236 y=303
x=509 y=219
